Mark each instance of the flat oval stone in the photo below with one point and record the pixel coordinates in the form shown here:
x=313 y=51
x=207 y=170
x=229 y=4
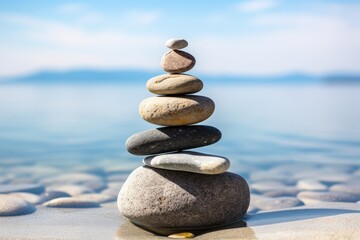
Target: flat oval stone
x=97 y=197
x=170 y=84
x=351 y=188
x=13 y=206
x=177 y=61
x=49 y=195
x=311 y=184
x=175 y=43
x=189 y=162
x=277 y=203
x=176 y=111
x=29 y=197
x=29 y=187
x=265 y=186
x=316 y=197
x=73 y=190
x=71 y=202
x=157 y=198
x=169 y=139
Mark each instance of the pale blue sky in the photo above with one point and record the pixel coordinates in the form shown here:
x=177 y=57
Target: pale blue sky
x=256 y=37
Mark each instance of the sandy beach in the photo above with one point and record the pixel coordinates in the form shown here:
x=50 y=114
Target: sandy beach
x=321 y=221
x=283 y=209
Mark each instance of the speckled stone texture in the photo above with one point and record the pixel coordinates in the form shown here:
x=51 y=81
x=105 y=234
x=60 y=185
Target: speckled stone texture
x=170 y=84
x=189 y=161
x=177 y=61
x=176 y=110
x=156 y=198
x=169 y=139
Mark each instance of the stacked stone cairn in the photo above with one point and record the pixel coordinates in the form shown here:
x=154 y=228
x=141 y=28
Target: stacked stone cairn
x=180 y=190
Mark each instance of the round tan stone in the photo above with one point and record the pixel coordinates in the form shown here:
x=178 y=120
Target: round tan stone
x=169 y=84
x=176 y=111
x=177 y=61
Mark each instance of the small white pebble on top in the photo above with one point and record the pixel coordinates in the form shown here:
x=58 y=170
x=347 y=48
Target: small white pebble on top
x=175 y=43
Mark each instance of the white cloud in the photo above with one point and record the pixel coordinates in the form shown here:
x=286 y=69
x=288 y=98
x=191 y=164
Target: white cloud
x=80 y=13
x=62 y=46
x=304 y=43
x=255 y=5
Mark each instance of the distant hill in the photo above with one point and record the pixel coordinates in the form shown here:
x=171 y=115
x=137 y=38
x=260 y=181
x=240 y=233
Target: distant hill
x=86 y=76
x=82 y=77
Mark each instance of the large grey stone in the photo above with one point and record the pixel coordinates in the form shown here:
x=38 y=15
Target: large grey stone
x=156 y=198
x=13 y=206
x=189 y=162
x=171 y=84
x=176 y=110
x=169 y=139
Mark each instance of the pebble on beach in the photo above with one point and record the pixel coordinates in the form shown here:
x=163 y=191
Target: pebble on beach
x=71 y=202
x=189 y=162
x=176 y=111
x=171 y=84
x=351 y=188
x=181 y=235
x=98 y=197
x=175 y=43
x=14 y=206
x=265 y=186
x=29 y=197
x=49 y=195
x=277 y=203
x=157 y=198
x=311 y=184
x=177 y=61
x=29 y=187
x=315 y=197
x=169 y=139
x=73 y=190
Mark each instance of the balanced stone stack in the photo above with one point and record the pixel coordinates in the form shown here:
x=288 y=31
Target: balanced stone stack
x=180 y=190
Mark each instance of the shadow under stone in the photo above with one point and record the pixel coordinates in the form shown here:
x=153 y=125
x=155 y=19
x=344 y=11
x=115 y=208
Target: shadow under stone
x=129 y=230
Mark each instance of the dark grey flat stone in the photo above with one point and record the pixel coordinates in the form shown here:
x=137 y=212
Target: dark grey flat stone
x=169 y=139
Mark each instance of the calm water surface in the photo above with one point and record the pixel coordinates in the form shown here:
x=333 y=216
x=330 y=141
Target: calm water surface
x=76 y=126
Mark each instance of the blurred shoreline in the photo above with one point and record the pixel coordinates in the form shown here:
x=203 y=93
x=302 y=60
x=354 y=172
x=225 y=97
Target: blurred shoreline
x=130 y=77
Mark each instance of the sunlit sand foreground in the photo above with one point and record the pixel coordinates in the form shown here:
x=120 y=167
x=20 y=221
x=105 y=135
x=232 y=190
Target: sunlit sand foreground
x=320 y=221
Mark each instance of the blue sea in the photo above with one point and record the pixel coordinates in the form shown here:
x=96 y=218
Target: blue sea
x=74 y=126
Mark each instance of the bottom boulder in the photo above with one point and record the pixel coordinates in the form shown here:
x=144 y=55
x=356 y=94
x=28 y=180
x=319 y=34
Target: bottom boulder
x=160 y=199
